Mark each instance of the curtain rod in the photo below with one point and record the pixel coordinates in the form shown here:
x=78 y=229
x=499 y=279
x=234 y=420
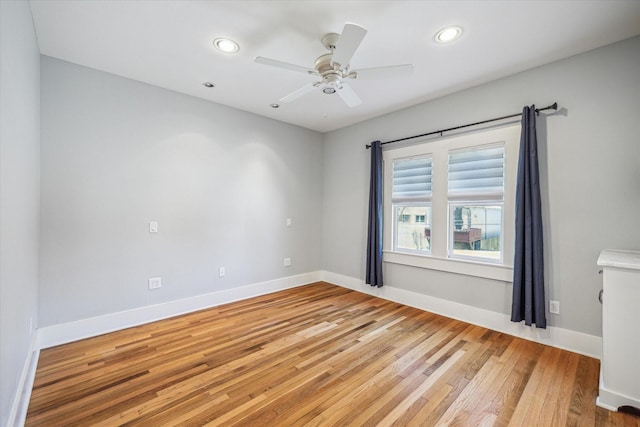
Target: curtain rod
x=553 y=106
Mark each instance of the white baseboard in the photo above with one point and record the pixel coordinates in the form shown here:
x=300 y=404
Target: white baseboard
x=577 y=342
x=21 y=399
x=613 y=399
x=53 y=335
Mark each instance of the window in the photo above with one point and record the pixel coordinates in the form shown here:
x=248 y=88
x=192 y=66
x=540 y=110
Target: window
x=451 y=204
x=411 y=198
x=404 y=217
x=475 y=195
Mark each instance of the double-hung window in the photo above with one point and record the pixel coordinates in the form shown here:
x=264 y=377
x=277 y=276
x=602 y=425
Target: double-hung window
x=449 y=204
x=476 y=202
x=411 y=199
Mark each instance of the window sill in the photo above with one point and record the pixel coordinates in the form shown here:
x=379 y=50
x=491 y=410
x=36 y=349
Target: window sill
x=468 y=268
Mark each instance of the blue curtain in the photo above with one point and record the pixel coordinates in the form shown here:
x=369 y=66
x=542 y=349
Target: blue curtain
x=374 y=239
x=528 y=268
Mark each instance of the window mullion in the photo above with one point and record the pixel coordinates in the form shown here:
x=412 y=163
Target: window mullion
x=439 y=205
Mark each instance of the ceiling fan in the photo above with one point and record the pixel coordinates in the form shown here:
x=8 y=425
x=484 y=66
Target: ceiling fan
x=333 y=68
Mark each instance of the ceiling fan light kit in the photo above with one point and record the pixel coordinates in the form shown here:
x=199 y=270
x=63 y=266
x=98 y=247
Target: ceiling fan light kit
x=334 y=67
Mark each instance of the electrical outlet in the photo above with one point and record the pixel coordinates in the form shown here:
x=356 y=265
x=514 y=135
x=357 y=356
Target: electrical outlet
x=222 y=272
x=287 y=262
x=554 y=307
x=155 y=283
x=153 y=227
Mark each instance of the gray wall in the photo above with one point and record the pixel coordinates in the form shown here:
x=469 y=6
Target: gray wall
x=590 y=169
x=117 y=154
x=19 y=193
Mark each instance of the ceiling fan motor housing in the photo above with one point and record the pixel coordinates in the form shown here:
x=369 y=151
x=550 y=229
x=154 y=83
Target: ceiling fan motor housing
x=323 y=64
x=331 y=75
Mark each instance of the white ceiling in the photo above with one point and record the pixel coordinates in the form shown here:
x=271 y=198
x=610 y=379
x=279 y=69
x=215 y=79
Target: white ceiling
x=169 y=44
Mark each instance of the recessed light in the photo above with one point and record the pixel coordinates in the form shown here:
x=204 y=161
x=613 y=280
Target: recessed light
x=226 y=45
x=208 y=84
x=275 y=105
x=447 y=35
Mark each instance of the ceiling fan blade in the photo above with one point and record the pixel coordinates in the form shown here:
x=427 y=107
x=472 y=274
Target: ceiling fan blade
x=393 y=71
x=349 y=96
x=299 y=93
x=350 y=39
x=279 y=64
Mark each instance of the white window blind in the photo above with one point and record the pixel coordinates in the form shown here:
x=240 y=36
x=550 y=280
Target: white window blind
x=477 y=174
x=411 y=180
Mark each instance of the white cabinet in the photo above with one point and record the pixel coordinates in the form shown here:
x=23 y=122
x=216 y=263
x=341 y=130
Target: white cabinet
x=620 y=364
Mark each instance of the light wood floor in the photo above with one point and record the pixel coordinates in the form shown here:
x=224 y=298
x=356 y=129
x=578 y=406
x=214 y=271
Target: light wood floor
x=318 y=355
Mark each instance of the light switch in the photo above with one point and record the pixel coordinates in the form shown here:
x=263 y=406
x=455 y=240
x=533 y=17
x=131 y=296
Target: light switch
x=153 y=227
x=289 y=222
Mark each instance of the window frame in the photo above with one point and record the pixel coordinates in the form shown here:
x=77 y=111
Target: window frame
x=413 y=201
x=439 y=257
x=465 y=198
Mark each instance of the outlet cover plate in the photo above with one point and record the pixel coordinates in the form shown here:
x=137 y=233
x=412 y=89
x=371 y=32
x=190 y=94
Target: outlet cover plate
x=155 y=283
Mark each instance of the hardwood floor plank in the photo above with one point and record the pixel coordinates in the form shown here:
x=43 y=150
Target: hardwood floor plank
x=427 y=382
x=580 y=393
x=316 y=355
x=419 y=411
x=465 y=408
x=519 y=378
